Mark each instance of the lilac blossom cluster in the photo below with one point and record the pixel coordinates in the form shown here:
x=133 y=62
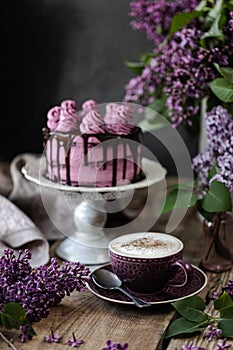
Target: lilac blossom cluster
x=37 y=290
x=115 y=346
x=180 y=68
x=221 y=345
x=184 y=69
x=154 y=17
x=219 y=132
x=229 y=288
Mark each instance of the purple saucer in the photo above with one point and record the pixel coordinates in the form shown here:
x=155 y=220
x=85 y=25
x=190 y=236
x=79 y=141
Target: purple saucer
x=196 y=283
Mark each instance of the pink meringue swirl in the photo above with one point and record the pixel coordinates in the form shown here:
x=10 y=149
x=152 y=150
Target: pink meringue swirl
x=119 y=119
x=53 y=117
x=92 y=123
x=67 y=121
x=70 y=106
x=110 y=108
x=64 y=118
x=88 y=104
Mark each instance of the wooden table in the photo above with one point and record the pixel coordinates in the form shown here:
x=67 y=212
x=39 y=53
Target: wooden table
x=96 y=320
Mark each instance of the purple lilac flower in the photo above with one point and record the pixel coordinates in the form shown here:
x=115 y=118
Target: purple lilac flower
x=25 y=333
x=53 y=338
x=228 y=29
x=212 y=332
x=201 y=164
x=184 y=69
x=37 y=290
x=192 y=347
x=115 y=346
x=154 y=17
x=74 y=342
x=219 y=152
x=222 y=345
x=181 y=67
x=215 y=295
x=229 y=288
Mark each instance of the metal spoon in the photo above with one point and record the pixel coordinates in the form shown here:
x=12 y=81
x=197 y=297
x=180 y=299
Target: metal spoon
x=108 y=280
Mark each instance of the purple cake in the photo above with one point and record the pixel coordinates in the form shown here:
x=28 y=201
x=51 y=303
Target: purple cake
x=90 y=149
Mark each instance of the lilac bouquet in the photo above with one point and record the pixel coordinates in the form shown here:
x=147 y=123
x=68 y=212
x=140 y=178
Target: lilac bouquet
x=191 y=62
x=191 y=59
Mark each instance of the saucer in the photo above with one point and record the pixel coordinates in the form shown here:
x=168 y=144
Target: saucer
x=197 y=282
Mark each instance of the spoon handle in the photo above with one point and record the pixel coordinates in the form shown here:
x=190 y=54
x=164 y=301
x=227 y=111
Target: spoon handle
x=138 y=302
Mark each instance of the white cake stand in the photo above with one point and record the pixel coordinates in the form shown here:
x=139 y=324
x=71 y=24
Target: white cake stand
x=89 y=243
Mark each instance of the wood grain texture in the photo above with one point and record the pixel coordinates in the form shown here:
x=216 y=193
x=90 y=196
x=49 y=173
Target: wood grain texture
x=96 y=321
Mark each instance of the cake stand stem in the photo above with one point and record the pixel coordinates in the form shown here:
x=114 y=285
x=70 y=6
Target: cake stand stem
x=89 y=243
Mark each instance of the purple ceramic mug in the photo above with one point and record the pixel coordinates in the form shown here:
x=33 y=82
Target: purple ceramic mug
x=147 y=262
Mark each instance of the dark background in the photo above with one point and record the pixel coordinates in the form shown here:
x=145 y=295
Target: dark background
x=63 y=49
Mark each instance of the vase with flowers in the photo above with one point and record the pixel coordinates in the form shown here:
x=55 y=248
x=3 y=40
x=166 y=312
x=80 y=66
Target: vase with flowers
x=192 y=62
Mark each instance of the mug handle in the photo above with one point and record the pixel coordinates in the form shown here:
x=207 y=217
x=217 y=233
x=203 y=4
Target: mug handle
x=187 y=269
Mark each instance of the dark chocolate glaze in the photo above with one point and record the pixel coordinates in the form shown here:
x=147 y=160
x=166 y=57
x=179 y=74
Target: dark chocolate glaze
x=65 y=140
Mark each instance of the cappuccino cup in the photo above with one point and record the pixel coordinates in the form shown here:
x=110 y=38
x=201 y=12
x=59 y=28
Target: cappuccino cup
x=147 y=262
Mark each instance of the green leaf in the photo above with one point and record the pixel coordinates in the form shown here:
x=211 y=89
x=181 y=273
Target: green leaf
x=147 y=125
x=159 y=104
x=223 y=301
x=135 y=67
x=13 y=316
x=223 y=89
x=212 y=171
x=226 y=325
x=181 y=19
x=208 y=216
x=217 y=199
x=9 y=322
x=182 y=326
x=193 y=315
x=185 y=199
x=195 y=302
x=145 y=58
x=227 y=313
x=191 y=309
x=226 y=72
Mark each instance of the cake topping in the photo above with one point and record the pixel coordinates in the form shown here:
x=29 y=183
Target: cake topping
x=119 y=119
x=92 y=123
x=70 y=106
x=89 y=104
x=53 y=117
x=64 y=118
x=110 y=108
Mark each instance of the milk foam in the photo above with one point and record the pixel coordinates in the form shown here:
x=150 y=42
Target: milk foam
x=146 y=245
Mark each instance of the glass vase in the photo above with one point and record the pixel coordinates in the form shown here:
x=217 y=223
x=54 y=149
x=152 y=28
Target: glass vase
x=217 y=243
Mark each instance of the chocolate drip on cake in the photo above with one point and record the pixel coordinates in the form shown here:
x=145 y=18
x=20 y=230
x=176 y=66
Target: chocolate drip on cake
x=65 y=141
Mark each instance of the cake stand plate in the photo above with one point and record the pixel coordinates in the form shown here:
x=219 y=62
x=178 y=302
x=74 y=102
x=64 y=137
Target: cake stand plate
x=89 y=243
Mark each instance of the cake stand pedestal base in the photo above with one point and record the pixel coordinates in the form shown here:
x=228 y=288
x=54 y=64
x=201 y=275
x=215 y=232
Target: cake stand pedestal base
x=70 y=250
x=89 y=244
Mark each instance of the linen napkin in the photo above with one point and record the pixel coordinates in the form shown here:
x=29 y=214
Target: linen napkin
x=50 y=210
x=17 y=231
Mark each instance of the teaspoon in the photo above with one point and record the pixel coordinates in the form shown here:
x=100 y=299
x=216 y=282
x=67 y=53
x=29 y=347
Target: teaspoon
x=108 y=280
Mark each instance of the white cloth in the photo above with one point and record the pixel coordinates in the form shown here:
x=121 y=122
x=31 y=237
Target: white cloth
x=50 y=210
x=17 y=231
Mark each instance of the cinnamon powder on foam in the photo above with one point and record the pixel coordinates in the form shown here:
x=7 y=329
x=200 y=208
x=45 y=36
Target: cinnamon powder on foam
x=144 y=243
